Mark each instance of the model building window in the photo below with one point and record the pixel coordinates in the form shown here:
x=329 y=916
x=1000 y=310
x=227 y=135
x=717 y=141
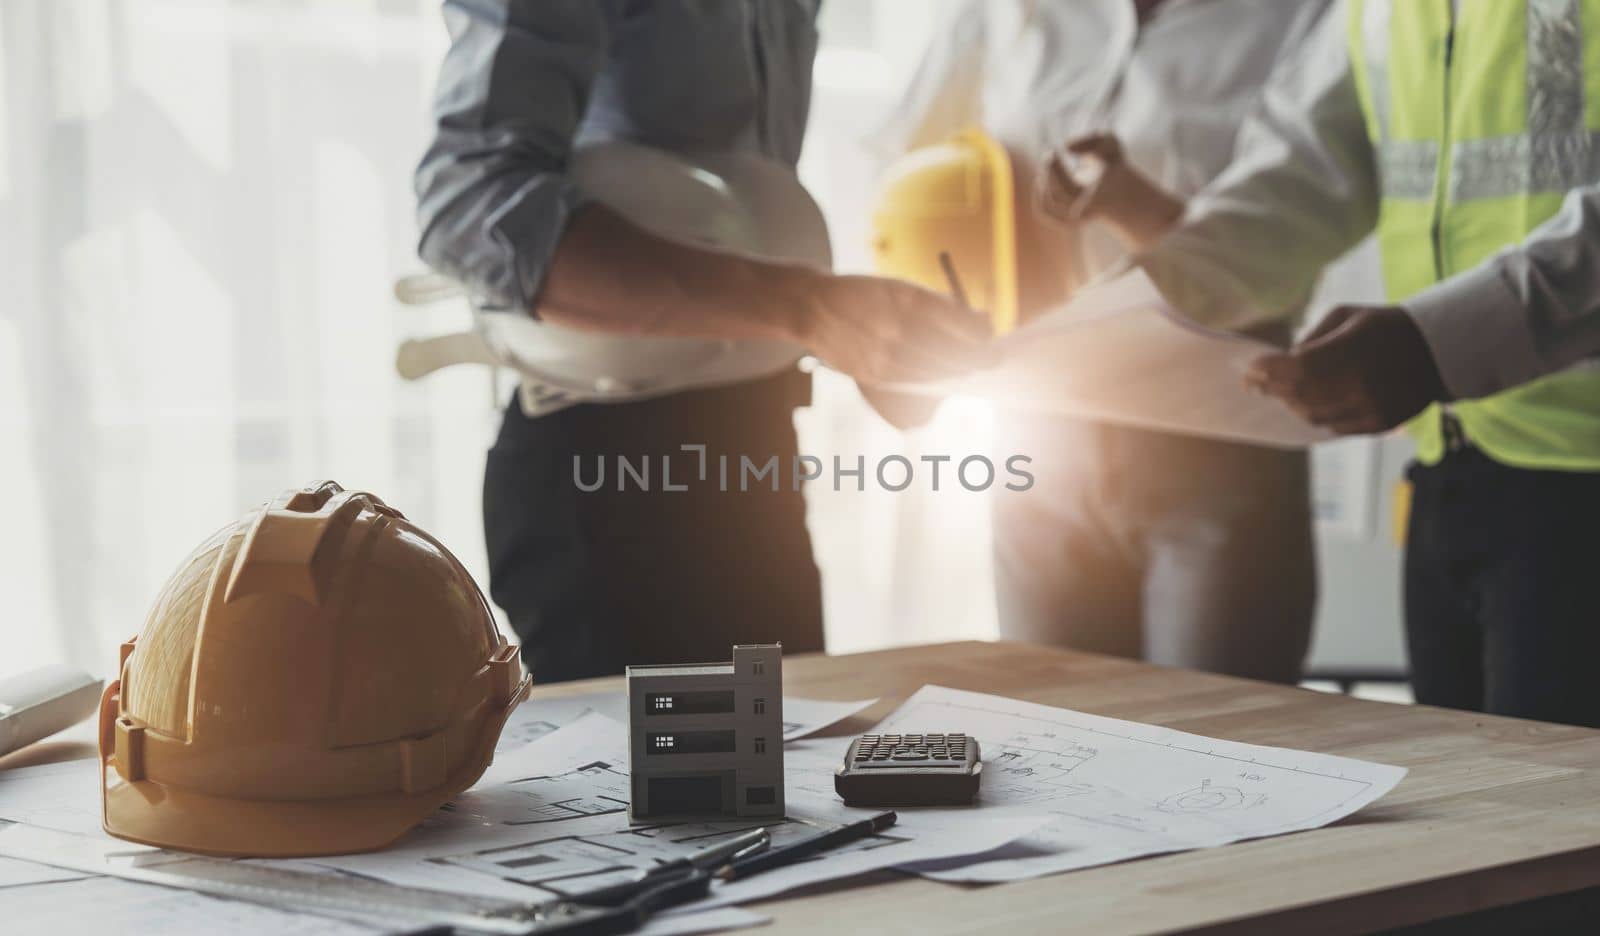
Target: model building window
x=664 y=742
x=761 y=745
x=760 y=667
x=761 y=706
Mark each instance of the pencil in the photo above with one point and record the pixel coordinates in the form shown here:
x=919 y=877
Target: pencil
x=805 y=848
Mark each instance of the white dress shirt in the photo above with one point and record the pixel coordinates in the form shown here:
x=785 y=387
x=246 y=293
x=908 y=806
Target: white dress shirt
x=1038 y=74
x=1305 y=187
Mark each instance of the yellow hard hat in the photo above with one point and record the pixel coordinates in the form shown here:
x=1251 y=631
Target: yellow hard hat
x=955 y=197
x=316 y=678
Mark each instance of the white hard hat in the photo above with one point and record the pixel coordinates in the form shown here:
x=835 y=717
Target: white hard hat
x=740 y=202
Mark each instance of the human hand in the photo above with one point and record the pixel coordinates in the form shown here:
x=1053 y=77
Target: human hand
x=1363 y=369
x=902 y=410
x=1103 y=185
x=881 y=330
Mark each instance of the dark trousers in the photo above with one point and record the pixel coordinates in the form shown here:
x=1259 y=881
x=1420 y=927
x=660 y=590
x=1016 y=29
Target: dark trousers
x=1502 y=593
x=1182 y=551
x=594 y=581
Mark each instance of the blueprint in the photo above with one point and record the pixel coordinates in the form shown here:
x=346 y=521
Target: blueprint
x=64 y=796
x=108 y=904
x=554 y=822
x=1121 y=789
x=1119 y=354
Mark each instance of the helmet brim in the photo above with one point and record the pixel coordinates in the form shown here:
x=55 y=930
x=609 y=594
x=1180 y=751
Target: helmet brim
x=151 y=813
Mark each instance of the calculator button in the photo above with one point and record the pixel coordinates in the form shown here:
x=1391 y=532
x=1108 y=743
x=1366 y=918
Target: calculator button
x=908 y=754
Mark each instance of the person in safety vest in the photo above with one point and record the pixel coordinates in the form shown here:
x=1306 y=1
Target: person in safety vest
x=1181 y=550
x=1467 y=134
x=595 y=580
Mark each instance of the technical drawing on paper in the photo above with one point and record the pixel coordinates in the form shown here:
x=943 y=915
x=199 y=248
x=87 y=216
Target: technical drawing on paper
x=570 y=864
x=517 y=733
x=1208 y=798
x=597 y=788
x=1120 y=789
x=1024 y=774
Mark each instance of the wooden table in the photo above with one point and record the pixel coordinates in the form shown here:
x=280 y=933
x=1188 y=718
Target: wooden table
x=1494 y=812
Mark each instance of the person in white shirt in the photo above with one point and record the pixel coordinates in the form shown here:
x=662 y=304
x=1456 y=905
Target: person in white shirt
x=1180 y=550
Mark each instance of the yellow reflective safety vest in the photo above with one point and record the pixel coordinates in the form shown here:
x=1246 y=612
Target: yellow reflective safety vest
x=1481 y=119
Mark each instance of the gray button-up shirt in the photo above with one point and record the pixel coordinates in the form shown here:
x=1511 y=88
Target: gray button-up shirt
x=527 y=80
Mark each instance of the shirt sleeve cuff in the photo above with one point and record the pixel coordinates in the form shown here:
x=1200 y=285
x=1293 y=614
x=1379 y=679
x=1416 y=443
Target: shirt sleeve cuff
x=1478 y=333
x=528 y=228
x=1201 y=292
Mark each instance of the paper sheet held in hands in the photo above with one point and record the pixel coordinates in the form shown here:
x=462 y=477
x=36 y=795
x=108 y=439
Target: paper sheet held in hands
x=1119 y=353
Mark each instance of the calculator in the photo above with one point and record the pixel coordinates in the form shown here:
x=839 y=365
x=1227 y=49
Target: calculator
x=910 y=770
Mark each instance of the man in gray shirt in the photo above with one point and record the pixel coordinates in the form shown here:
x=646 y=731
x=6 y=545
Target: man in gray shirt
x=593 y=581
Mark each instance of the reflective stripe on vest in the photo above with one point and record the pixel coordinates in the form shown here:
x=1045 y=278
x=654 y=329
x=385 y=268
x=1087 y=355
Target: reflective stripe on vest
x=1481 y=120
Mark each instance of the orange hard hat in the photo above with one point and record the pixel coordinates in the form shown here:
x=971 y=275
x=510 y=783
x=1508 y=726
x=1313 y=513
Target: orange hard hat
x=316 y=678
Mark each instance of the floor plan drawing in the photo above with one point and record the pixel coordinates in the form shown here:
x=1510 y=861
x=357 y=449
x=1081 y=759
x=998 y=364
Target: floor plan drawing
x=554 y=821
x=1027 y=773
x=570 y=864
x=1121 y=789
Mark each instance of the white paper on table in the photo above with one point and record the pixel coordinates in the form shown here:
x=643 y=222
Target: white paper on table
x=956 y=833
x=536 y=718
x=14 y=872
x=63 y=796
x=116 y=858
x=1119 y=353
x=554 y=822
x=803 y=717
x=1121 y=789
x=111 y=905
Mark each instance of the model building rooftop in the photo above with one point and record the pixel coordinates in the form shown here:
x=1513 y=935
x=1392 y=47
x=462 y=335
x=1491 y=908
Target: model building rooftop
x=683 y=669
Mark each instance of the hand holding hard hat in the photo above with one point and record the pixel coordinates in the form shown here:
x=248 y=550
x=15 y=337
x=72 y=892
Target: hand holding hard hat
x=700 y=269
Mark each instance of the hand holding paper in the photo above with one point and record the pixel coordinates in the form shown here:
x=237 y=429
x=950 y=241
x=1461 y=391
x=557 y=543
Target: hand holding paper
x=1120 y=354
x=1363 y=369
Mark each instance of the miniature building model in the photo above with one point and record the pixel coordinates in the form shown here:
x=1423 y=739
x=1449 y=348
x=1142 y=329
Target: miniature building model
x=707 y=739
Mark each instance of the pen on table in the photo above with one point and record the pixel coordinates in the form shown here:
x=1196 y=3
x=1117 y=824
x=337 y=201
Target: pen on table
x=735 y=849
x=805 y=848
x=719 y=855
